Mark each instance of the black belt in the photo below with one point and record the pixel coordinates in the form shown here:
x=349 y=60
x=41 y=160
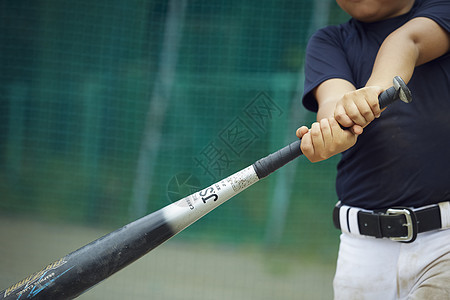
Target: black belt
x=399 y=223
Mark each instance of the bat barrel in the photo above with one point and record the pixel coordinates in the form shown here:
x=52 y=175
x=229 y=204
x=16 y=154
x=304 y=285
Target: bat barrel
x=73 y=274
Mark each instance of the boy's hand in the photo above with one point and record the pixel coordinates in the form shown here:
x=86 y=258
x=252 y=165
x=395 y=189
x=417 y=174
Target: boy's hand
x=325 y=139
x=359 y=107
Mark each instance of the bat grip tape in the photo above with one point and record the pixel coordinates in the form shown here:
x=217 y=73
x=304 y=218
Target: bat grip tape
x=387 y=97
x=276 y=160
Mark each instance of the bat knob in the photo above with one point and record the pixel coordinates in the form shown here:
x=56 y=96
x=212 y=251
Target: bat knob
x=402 y=91
x=398 y=91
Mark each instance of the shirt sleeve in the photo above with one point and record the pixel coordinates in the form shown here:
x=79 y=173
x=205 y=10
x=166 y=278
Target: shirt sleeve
x=436 y=10
x=325 y=59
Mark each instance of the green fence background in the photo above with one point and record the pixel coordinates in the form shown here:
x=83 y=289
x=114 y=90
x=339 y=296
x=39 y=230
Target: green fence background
x=106 y=106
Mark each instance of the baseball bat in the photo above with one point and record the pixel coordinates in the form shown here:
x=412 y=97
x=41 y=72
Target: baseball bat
x=80 y=270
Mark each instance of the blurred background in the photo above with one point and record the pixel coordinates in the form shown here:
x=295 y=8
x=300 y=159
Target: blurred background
x=110 y=110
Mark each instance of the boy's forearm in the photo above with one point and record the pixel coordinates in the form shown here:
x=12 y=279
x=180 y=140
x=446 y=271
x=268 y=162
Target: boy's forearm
x=417 y=42
x=397 y=56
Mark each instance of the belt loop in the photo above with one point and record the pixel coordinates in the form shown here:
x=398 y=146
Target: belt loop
x=444 y=208
x=353 y=223
x=336 y=215
x=378 y=232
x=343 y=218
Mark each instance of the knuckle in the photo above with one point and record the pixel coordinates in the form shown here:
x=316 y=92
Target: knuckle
x=374 y=104
x=308 y=151
x=367 y=114
x=347 y=96
x=324 y=124
x=306 y=145
x=315 y=133
x=353 y=115
x=340 y=116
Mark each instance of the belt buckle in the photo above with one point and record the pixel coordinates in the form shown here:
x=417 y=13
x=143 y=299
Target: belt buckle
x=411 y=224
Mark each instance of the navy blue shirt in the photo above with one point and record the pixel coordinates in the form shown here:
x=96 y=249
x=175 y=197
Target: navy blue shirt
x=402 y=158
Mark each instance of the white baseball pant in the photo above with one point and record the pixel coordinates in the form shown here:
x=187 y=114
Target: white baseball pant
x=381 y=269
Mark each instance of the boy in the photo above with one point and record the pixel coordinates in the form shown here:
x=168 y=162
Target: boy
x=398 y=160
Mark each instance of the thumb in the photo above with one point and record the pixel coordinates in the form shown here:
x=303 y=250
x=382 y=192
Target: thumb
x=356 y=129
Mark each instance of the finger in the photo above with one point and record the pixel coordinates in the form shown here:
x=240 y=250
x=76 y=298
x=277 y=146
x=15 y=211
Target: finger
x=356 y=129
x=369 y=105
x=354 y=106
x=316 y=138
x=338 y=132
x=301 y=131
x=341 y=116
x=327 y=136
x=306 y=145
x=373 y=100
x=366 y=114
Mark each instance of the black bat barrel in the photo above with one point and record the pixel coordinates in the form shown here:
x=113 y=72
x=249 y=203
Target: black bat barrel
x=73 y=274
